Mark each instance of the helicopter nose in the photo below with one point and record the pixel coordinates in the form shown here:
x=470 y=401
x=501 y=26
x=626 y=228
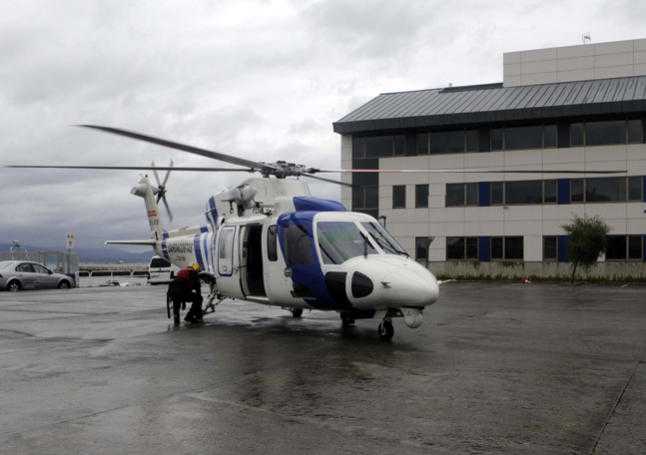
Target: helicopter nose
x=392 y=282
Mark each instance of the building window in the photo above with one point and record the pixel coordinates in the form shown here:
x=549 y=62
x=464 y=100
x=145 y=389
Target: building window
x=576 y=134
x=454 y=195
x=421 y=196
x=473 y=140
x=616 y=248
x=447 y=142
x=549 y=136
x=461 y=194
x=421 y=143
x=576 y=190
x=605 y=133
x=462 y=248
x=635 y=247
x=497 y=193
x=524 y=192
x=635 y=190
x=421 y=248
x=399 y=196
x=507 y=248
x=523 y=137
x=497 y=139
x=635 y=131
x=550 y=248
x=549 y=191
x=612 y=189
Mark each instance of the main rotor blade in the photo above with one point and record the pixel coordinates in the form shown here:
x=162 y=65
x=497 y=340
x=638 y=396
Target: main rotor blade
x=338 y=182
x=471 y=171
x=170 y=214
x=167 y=173
x=179 y=146
x=133 y=168
x=156 y=174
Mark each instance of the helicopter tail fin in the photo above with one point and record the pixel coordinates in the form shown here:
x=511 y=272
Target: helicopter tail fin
x=146 y=191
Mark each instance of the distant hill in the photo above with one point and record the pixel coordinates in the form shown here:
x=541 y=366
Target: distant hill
x=109 y=254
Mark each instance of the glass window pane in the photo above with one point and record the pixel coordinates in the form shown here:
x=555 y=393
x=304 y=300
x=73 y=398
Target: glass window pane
x=421 y=248
x=513 y=248
x=549 y=248
x=455 y=247
x=497 y=193
x=225 y=251
x=524 y=137
x=635 y=188
x=549 y=191
x=473 y=142
x=635 y=131
x=549 y=136
x=338 y=242
x=472 y=193
x=399 y=196
x=576 y=134
x=472 y=248
x=358 y=198
x=525 y=192
x=576 y=190
x=422 y=144
x=383 y=238
x=606 y=189
x=616 y=248
x=496 y=247
x=400 y=144
x=496 y=139
x=379 y=146
x=421 y=196
x=634 y=247
x=447 y=142
x=607 y=132
x=358 y=147
x=454 y=194
x=272 y=250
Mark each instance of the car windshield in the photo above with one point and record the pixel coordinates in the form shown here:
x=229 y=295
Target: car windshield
x=341 y=240
x=383 y=238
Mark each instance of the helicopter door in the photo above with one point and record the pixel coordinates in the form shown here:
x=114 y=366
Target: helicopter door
x=227 y=267
x=251 y=267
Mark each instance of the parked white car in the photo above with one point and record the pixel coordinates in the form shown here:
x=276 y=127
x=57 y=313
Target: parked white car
x=18 y=275
x=160 y=271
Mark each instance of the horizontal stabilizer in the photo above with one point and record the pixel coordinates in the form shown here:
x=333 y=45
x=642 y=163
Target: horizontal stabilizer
x=149 y=242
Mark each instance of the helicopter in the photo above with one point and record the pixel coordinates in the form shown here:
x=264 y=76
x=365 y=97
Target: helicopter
x=269 y=240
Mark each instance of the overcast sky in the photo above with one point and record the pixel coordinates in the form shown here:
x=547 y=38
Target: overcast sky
x=264 y=80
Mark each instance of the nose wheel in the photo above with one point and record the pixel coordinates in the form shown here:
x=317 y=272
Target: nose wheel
x=386 y=330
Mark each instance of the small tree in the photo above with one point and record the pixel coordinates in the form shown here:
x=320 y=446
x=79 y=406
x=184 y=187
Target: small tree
x=587 y=241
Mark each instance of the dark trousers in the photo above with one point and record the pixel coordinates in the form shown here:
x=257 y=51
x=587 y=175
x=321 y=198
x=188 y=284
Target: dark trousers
x=195 y=312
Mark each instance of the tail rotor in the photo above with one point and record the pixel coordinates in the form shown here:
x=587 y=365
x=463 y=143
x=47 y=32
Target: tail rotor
x=161 y=189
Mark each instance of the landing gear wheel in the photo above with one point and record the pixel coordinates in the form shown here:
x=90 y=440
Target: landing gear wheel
x=14 y=286
x=297 y=313
x=386 y=330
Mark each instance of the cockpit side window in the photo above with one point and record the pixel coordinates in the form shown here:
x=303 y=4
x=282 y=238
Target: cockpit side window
x=385 y=241
x=341 y=240
x=298 y=246
x=272 y=250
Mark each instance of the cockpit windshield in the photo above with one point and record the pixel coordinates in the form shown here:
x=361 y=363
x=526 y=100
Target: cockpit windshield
x=385 y=241
x=341 y=240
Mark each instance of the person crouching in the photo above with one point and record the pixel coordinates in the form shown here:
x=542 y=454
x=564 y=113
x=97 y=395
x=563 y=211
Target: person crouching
x=186 y=287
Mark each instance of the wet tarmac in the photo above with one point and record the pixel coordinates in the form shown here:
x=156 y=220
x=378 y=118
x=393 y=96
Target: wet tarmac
x=496 y=368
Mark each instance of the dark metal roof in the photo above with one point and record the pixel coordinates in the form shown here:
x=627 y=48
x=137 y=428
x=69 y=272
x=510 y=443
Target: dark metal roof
x=495 y=103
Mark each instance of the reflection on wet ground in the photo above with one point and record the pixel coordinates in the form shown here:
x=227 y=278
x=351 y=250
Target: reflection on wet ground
x=501 y=368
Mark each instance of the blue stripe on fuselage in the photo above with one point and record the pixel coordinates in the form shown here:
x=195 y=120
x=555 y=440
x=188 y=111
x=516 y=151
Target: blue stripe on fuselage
x=198 y=252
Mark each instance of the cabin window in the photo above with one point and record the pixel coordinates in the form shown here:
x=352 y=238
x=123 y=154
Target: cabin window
x=341 y=240
x=272 y=250
x=298 y=246
x=225 y=251
x=385 y=241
